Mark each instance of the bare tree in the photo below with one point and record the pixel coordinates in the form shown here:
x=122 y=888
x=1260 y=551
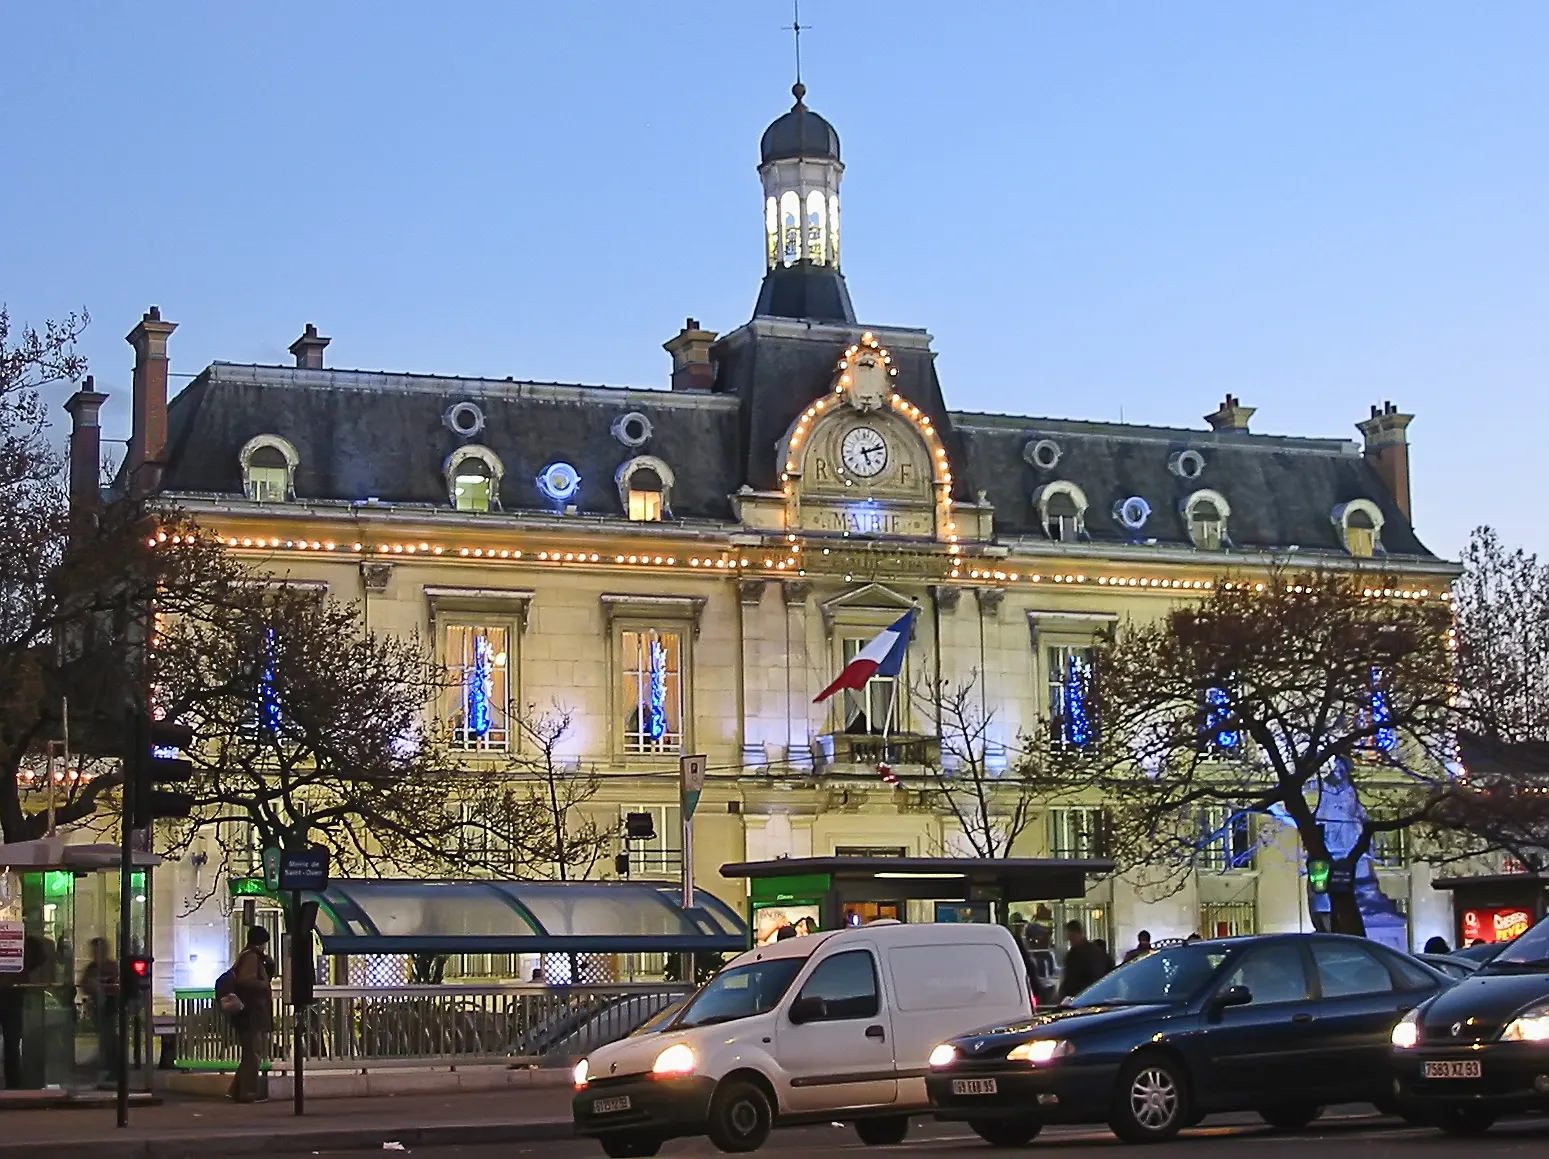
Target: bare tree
x=545 y=800
x=1322 y=701
x=991 y=798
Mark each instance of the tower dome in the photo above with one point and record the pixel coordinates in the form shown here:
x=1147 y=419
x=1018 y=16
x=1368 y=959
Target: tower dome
x=799 y=133
x=800 y=169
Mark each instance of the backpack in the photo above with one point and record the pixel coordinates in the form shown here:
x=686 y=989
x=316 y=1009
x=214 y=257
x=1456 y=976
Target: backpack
x=226 y=993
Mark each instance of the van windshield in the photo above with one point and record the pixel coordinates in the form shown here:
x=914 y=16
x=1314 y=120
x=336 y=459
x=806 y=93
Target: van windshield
x=741 y=992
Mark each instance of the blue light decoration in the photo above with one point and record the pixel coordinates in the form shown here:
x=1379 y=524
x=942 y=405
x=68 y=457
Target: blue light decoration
x=560 y=482
x=1132 y=512
x=1079 y=729
x=656 y=708
x=1387 y=737
x=1218 y=714
x=480 y=688
x=268 y=693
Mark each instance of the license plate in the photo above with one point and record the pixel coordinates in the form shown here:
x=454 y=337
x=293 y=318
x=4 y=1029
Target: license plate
x=610 y=1106
x=1452 y=1070
x=973 y=1086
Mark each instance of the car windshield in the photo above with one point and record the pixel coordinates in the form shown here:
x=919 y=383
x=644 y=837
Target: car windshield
x=1529 y=951
x=658 y=1020
x=1171 y=975
x=741 y=992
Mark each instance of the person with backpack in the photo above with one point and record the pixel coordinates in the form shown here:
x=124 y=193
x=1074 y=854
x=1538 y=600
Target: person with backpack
x=245 y=994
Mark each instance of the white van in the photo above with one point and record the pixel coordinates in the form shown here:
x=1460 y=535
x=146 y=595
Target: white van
x=812 y=1029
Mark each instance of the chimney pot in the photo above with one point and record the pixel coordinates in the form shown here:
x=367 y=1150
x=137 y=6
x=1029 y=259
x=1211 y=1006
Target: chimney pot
x=85 y=455
x=1232 y=416
x=690 y=350
x=308 y=349
x=1387 y=451
x=148 y=436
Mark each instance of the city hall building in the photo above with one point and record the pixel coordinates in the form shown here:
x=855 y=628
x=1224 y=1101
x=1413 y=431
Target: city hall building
x=686 y=566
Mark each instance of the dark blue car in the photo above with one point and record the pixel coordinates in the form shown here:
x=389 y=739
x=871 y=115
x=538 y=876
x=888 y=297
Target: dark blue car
x=1282 y=1025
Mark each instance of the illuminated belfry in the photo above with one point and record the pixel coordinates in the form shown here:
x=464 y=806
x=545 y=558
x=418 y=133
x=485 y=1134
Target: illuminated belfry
x=801 y=171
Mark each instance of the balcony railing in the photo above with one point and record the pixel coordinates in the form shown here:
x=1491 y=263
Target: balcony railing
x=865 y=749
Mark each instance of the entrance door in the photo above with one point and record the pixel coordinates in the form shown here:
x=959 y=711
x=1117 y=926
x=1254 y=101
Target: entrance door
x=841 y=1054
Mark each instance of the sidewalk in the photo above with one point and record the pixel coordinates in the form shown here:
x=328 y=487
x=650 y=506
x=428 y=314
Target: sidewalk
x=199 y=1128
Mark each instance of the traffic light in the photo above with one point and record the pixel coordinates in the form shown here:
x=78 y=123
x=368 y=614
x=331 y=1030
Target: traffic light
x=157 y=760
x=621 y=864
x=137 y=977
x=303 y=965
x=1318 y=872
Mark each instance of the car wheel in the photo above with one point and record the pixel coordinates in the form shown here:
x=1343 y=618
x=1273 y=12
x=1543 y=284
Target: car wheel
x=1290 y=1116
x=1006 y=1132
x=886 y=1132
x=1151 y=1103
x=1463 y=1120
x=629 y=1146
x=740 y=1117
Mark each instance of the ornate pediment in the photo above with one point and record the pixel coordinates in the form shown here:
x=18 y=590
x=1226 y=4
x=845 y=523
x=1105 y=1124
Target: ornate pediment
x=872 y=602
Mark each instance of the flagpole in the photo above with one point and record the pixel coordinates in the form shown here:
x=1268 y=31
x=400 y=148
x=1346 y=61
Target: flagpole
x=887 y=720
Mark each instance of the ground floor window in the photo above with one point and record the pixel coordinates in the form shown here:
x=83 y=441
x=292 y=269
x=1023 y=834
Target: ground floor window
x=1228 y=919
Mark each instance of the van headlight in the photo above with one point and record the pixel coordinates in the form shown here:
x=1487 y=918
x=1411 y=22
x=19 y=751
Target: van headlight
x=582 y=1072
x=943 y=1055
x=677 y=1059
x=1039 y=1050
x=1406 y=1033
x=1532 y=1025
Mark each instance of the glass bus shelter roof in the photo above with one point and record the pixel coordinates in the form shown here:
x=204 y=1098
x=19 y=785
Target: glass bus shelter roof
x=419 y=916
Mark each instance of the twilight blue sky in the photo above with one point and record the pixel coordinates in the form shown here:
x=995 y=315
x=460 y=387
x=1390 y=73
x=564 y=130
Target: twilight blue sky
x=1098 y=208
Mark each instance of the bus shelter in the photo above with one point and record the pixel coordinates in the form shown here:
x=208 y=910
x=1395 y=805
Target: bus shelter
x=826 y=893
x=59 y=968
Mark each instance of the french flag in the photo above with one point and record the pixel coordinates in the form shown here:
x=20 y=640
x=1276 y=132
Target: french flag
x=883 y=656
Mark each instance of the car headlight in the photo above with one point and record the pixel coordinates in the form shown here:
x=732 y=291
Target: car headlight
x=1039 y=1050
x=1532 y=1025
x=943 y=1055
x=1406 y=1032
x=677 y=1059
x=582 y=1072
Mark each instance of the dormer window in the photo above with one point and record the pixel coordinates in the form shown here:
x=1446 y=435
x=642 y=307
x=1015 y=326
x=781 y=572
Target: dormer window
x=645 y=489
x=269 y=469
x=473 y=476
x=1206 y=513
x=1360 y=526
x=1062 y=510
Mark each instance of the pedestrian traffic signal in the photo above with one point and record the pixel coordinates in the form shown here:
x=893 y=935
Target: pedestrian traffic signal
x=137 y=976
x=1318 y=874
x=157 y=759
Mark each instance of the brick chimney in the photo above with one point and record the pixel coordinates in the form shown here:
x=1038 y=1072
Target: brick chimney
x=148 y=438
x=85 y=452
x=309 y=348
x=690 y=350
x=1387 y=450
x=1232 y=416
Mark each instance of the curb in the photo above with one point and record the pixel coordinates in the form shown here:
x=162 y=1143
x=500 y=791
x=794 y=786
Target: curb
x=273 y=1142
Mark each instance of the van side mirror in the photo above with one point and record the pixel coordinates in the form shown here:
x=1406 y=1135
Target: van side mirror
x=807 y=1008
x=1231 y=996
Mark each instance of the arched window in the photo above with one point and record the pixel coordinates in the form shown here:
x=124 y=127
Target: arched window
x=772 y=230
x=473 y=476
x=268 y=469
x=833 y=229
x=1206 y=513
x=790 y=227
x=1360 y=526
x=816 y=229
x=645 y=489
x=1062 y=509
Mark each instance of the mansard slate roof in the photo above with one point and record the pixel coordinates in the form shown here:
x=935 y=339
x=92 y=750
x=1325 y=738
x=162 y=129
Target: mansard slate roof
x=365 y=434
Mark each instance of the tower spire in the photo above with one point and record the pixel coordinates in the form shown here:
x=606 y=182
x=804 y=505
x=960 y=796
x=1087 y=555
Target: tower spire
x=798 y=90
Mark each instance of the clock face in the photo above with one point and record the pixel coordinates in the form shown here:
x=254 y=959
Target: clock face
x=864 y=452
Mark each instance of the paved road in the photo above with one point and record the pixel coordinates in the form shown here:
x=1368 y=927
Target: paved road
x=1364 y=1137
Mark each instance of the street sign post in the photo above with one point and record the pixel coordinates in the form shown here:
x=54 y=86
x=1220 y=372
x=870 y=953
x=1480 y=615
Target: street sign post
x=691 y=783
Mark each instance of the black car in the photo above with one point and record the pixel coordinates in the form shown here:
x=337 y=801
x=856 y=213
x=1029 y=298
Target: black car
x=1451 y=965
x=1281 y=1024
x=1481 y=1049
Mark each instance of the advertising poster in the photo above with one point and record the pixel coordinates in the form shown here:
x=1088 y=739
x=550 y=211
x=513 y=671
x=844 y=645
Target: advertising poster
x=1495 y=925
x=776 y=922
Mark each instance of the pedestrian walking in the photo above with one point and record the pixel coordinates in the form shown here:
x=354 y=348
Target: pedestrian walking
x=252 y=976
x=99 y=990
x=1142 y=946
x=1085 y=961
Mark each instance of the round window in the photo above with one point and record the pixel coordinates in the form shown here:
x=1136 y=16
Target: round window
x=559 y=481
x=632 y=429
x=465 y=419
x=1187 y=464
x=1132 y=512
x=1043 y=454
